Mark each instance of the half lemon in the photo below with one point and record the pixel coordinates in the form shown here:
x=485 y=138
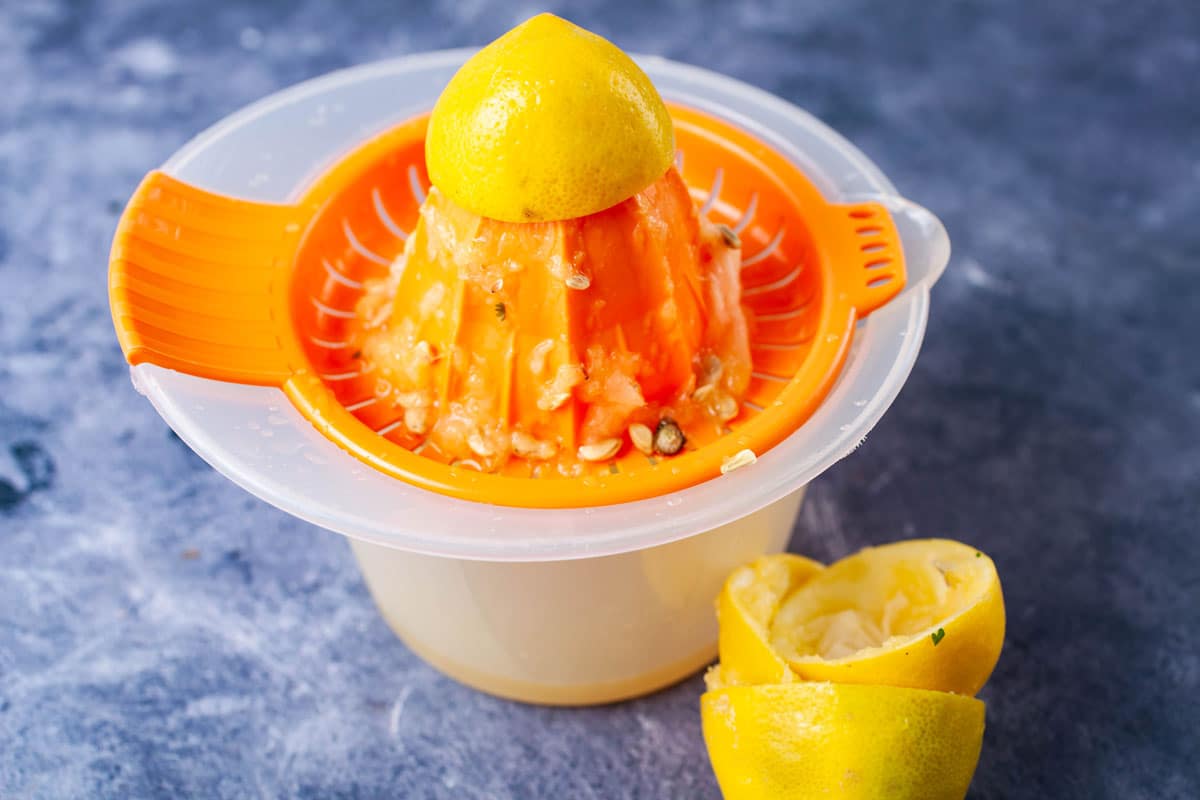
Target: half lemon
x=809 y=740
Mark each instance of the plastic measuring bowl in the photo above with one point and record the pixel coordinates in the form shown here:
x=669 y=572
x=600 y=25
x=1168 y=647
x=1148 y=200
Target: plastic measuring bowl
x=546 y=605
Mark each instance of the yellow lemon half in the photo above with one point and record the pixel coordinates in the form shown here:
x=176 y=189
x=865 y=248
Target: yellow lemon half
x=926 y=614
x=810 y=740
x=745 y=607
x=548 y=122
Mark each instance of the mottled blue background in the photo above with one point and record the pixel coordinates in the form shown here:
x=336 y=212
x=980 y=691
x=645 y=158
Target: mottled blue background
x=163 y=634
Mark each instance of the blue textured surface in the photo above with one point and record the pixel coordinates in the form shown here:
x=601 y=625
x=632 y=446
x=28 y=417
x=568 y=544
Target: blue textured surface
x=162 y=634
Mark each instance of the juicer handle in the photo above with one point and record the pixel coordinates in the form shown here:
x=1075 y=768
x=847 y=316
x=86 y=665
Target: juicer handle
x=198 y=283
x=868 y=257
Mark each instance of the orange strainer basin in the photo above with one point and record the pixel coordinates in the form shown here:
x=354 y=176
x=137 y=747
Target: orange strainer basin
x=263 y=294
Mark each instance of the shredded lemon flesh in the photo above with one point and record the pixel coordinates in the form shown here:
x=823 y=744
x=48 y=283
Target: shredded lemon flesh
x=869 y=602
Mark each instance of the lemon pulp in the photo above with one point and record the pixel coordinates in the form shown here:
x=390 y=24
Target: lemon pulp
x=877 y=599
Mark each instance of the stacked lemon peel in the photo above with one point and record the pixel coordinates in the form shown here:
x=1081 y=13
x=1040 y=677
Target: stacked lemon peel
x=855 y=680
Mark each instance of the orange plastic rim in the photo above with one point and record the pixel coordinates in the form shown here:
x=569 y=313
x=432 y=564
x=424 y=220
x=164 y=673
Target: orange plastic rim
x=258 y=293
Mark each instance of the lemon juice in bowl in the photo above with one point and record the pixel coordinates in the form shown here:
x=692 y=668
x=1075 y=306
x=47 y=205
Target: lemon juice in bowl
x=543 y=521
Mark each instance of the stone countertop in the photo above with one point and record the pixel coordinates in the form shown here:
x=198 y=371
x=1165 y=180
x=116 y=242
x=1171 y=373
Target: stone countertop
x=164 y=634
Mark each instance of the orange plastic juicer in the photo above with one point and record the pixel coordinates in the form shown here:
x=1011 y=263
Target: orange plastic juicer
x=265 y=294
x=240 y=277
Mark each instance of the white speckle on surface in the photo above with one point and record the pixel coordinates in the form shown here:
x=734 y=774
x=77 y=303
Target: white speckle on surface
x=216 y=706
x=397 y=711
x=980 y=278
x=148 y=59
x=10 y=471
x=310 y=43
x=250 y=38
x=880 y=482
x=1152 y=216
x=822 y=514
x=651 y=728
x=32 y=366
x=131 y=97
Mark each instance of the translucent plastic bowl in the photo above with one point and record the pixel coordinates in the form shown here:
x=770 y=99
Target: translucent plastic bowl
x=565 y=606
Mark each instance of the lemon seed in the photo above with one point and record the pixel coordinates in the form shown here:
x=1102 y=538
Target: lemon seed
x=642 y=437
x=600 y=451
x=668 y=438
x=742 y=458
x=727 y=408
